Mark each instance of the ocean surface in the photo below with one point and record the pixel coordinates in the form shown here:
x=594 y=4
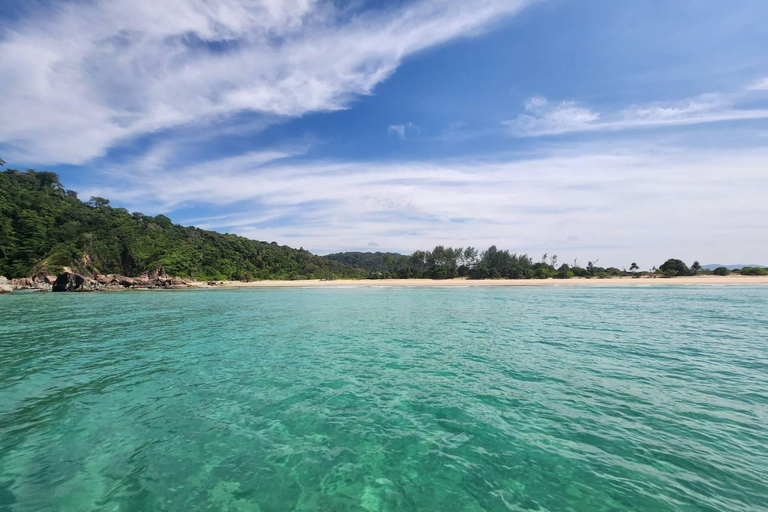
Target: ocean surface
x=386 y=399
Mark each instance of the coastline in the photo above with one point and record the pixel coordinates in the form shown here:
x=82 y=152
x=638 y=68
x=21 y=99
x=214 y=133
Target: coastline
x=708 y=280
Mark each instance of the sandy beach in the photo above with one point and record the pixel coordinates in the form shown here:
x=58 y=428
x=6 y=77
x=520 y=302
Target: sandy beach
x=732 y=280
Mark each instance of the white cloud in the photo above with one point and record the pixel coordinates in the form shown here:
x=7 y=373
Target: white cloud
x=80 y=77
x=400 y=130
x=543 y=117
x=397 y=129
x=759 y=85
x=644 y=203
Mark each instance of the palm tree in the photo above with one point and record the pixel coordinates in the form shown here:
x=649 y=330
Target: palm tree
x=633 y=267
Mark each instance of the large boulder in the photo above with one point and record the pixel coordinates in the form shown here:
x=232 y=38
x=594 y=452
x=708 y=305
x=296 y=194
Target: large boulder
x=71 y=282
x=5 y=286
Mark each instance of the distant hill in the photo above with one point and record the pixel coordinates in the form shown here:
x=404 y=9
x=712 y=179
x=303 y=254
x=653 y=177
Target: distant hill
x=713 y=266
x=44 y=227
x=368 y=261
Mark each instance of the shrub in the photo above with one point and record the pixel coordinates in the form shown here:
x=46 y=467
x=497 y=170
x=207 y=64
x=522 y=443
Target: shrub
x=580 y=272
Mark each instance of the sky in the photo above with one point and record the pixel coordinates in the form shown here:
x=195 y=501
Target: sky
x=596 y=130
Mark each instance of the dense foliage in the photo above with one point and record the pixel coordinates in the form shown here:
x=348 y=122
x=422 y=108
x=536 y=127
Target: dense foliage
x=448 y=262
x=677 y=268
x=44 y=227
x=371 y=262
x=674 y=268
x=753 y=271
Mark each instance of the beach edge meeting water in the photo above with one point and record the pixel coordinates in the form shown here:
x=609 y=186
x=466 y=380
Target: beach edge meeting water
x=463 y=282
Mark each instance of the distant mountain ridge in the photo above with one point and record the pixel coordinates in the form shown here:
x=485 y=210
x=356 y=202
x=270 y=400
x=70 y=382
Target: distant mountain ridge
x=713 y=266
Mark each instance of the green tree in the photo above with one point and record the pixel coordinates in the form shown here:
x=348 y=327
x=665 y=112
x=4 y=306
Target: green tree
x=696 y=267
x=98 y=202
x=674 y=267
x=721 y=271
x=634 y=267
x=470 y=257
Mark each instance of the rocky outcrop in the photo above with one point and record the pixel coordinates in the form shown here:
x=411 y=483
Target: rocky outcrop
x=39 y=280
x=41 y=283
x=73 y=282
x=70 y=282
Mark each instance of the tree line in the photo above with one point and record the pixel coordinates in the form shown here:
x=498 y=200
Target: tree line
x=449 y=262
x=494 y=263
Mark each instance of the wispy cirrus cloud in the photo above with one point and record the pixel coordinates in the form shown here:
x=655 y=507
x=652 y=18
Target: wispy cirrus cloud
x=544 y=117
x=80 y=77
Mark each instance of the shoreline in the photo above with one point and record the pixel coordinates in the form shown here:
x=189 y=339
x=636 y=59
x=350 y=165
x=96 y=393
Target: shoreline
x=732 y=280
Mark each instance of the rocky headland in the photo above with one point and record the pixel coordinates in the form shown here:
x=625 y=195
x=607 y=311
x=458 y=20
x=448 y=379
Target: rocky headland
x=71 y=281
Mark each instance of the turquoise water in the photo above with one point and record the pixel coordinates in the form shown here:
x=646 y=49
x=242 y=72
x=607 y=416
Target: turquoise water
x=386 y=399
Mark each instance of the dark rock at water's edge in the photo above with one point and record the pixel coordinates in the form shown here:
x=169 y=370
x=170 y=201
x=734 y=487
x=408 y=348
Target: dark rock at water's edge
x=69 y=282
x=73 y=282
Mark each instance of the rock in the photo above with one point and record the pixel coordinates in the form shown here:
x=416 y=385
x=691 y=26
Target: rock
x=73 y=282
x=126 y=282
x=21 y=283
x=42 y=286
x=68 y=282
x=5 y=286
x=158 y=273
x=31 y=283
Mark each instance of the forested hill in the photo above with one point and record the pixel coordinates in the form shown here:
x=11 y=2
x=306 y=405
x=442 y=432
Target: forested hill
x=44 y=227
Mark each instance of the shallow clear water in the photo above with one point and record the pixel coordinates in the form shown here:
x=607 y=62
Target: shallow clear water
x=558 y=399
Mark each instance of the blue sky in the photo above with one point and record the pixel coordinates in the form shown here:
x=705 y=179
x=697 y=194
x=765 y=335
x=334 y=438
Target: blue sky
x=625 y=131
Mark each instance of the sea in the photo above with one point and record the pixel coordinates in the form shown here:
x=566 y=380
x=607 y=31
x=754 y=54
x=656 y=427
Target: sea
x=386 y=399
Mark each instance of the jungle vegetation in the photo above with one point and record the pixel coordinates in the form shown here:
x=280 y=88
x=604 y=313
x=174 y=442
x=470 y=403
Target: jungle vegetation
x=44 y=227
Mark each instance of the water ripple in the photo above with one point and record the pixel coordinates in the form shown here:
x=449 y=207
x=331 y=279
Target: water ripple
x=390 y=399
